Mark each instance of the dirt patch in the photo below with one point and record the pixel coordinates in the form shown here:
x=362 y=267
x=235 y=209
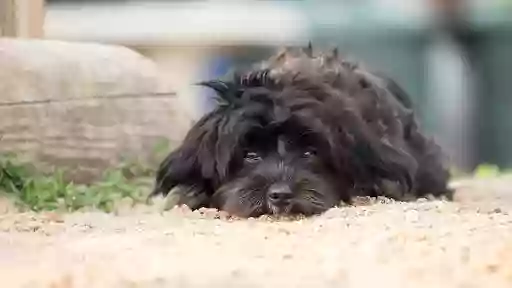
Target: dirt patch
x=423 y=244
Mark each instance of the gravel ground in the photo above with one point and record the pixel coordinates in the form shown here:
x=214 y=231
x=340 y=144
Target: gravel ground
x=422 y=244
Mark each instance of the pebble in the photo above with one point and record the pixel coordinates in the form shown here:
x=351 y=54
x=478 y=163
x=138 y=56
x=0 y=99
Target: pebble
x=412 y=216
x=335 y=213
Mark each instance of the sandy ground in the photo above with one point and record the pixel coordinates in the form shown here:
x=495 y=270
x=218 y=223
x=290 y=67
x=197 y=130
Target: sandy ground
x=423 y=244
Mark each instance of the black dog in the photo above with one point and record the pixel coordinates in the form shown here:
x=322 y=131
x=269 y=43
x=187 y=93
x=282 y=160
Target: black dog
x=300 y=134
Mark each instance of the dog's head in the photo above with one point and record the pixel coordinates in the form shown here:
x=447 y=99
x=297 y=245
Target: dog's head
x=294 y=146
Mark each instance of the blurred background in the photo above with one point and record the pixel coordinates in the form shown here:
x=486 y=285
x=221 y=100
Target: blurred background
x=454 y=57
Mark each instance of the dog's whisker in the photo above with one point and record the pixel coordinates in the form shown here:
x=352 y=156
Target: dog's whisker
x=311 y=194
x=250 y=201
x=312 y=200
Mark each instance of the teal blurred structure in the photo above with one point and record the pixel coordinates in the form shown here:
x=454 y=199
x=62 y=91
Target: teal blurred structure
x=493 y=63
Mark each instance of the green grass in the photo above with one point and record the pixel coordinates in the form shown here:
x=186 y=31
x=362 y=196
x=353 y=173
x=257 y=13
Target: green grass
x=490 y=171
x=32 y=190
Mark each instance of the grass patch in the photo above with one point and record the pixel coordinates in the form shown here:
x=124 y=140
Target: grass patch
x=482 y=171
x=32 y=190
x=490 y=171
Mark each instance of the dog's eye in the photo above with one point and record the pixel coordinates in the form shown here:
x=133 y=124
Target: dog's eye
x=308 y=154
x=252 y=157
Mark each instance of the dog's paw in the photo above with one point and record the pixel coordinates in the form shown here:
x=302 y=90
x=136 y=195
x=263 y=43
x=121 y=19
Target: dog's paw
x=192 y=198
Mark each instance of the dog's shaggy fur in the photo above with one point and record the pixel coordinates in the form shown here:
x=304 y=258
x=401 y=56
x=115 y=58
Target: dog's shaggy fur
x=300 y=134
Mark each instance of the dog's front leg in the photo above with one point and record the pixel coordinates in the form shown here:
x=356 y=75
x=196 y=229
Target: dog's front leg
x=191 y=196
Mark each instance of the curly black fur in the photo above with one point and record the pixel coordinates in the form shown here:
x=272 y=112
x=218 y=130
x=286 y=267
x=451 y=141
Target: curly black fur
x=300 y=134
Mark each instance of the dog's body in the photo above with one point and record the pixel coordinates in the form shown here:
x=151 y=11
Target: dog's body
x=300 y=134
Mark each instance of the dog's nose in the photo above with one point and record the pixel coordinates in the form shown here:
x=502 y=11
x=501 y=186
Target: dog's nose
x=279 y=193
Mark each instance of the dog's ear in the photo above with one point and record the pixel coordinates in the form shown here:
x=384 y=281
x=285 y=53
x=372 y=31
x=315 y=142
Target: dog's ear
x=203 y=159
x=370 y=157
x=384 y=161
x=188 y=165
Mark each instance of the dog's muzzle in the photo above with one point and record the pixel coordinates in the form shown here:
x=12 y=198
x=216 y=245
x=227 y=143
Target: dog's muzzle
x=280 y=198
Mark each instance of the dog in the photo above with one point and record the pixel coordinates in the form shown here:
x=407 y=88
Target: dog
x=299 y=134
